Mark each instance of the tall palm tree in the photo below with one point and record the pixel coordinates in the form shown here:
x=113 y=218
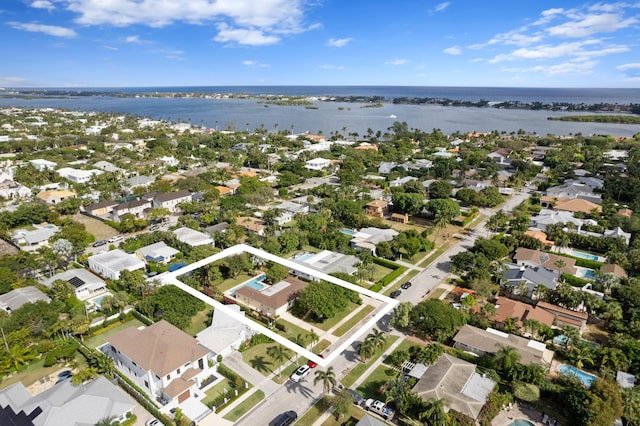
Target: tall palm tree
x=506 y=358
x=103 y=364
x=300 y=340
x=312 y=337
x=18 y=356
x=366 y=350
x=328 y=379
x=435 y=413
x=377 y=339
x=279 y=353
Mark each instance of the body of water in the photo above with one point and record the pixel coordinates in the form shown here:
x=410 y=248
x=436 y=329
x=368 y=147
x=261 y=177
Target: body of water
x=243 y=114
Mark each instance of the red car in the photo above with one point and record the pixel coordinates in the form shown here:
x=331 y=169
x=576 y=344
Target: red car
x=313 y=364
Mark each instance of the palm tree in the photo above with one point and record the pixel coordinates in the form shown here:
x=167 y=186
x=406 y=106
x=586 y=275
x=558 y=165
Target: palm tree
x=300 y=340
x=435 y=412
x=506 y=358
x=328 y=379
x=366 y=350
x=103 y=364
x=279 y=353
x=312 y=337
x=18 y=356
x=377 y=339
x=108 y=421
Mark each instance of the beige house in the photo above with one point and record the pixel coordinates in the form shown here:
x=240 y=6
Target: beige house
x=273 y=300
x=55 y=196
x=377 y=208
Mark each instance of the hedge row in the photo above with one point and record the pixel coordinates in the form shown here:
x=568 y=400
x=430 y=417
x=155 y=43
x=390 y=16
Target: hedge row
x=574 y=281
x=386 y=263
x=142 y=318
x=109 y=324
x=387 y=279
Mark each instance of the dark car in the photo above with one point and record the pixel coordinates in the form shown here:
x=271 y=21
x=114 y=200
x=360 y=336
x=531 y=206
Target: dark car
x=99 y=243
x=64 y=376
x=154 y=228
x=395 y=294
x=406 y=285
x=284 y=419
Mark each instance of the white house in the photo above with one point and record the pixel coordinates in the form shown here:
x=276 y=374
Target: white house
x=165 y=362
x=134 y=207
x=42 y=164
x=110 y=264
x=86 y=284
x=76 y=175
x=171 y=200
x=170 y=161
x=19 y=297
x=192 y=237
x=317 y=164
x=159 y=252
x=225 y=334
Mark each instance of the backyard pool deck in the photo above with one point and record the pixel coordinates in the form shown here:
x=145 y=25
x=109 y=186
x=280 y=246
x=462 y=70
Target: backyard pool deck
x=518 y=411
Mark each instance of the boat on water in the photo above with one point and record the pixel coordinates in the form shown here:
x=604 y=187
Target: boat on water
x=393 y=116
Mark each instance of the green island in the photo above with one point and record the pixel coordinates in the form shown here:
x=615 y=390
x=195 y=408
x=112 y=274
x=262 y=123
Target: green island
x=617 y=119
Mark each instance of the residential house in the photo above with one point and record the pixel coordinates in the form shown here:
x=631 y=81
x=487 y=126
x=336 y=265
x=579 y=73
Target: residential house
x=400 y=218
x=108 y=167
x=225 y=334
x=101 y=209
x=140 y=181
x=318 y=164
x=273 y=300
x=515 y=277
x=386 y=167
x=19 y=297
x=65 y=404
x=55 y=196
x=550 y=217
x=500 y=156
x=41 y=164
x=217 y=228
x=86 y=284
x=288 y=210
x=169 y=161
x=401 y=181
x=612 y=268
x=223 y=190
x=578 y=205
x=165 y=362
x=533 y=258
x=327 y=262
x=138 y=208
x=171 y=200
x=158 y=252
x=10 y=189
x=540 y=236
x=252 y=224
x=76 y=175
x=457 y=383
x=377 y=208
x=36 y=238
x=573 y=190
x=367 y=238
x=110 y=264
x=489 y=342
x=519 y=312
x=192 y=237
x=565 y=316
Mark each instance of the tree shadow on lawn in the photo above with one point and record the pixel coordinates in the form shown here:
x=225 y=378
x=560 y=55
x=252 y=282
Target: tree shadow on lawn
x=373 y=388
x=299 y=388
x=261 y=364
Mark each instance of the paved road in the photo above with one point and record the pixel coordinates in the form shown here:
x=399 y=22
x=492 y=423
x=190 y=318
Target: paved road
x=440 y=269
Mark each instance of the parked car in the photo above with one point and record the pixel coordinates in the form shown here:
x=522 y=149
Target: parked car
x=99 y=243
x=63 y=376
x=284 y=419
x=380 y=408
x=154 y=228
x=302 y=371
x=395 y=294
x=115 y=238
x=406 y=285
x=152 y=422
x=312 y=364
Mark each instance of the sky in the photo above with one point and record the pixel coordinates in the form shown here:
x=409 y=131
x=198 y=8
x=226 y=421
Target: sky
x=490 y=43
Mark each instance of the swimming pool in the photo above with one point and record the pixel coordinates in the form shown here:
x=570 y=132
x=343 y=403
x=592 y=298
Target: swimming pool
x=583 y=255
x=255 y=283
x=521 y=422
x=569 y=370
x=348 y=231
x=98 y=299
x=586 y=273
x=303 y=257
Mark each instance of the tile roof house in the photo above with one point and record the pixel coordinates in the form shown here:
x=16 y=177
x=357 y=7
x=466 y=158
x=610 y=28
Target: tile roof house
x=565 y=316
x=110 y=264
x=508 y=308
x=273 y=300
x=252 y=224
x=533 y=258
x=19 y=297
x=55 y=196
x=578 y=205
x=612 y=268
x=574 y=190
x=85 y=283
x=540 y=236
x=489 y=342
x=455 y=381
x=377 y=208
x=162 y=360
x=65 y=404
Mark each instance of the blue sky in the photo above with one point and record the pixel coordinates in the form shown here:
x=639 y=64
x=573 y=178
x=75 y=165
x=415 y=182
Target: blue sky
x=119 y=43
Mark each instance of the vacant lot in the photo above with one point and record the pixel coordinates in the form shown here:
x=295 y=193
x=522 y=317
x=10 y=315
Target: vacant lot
x=6 y=248
x=98 y=229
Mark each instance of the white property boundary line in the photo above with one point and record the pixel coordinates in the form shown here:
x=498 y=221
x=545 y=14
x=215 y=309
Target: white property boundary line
x=172 y=278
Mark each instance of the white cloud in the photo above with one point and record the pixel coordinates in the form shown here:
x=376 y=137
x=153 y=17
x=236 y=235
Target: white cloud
x=14 y=82
x=516 y=38
x=579 y=50
x=110 y=47
x=51 y=30
x=632 y=66
x=331 y=67
x=586 y=25
x=42 y=4
x=548 y=15
x=170 y=53
x=442 y=6
x=454 y=50
x=254 y=64
x=396 y=62
x=133 y=39
x=339 y=42
x=558 y=69
x=252 y=37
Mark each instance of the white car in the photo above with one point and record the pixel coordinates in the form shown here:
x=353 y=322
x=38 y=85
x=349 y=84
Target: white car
x=300 y=373
x=116 y=238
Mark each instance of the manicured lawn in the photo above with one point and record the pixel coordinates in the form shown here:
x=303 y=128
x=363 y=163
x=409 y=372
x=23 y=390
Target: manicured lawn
x=355 y=413
x=359 y=369
x=200 y=321
x=245 y=406
x=330 y=322
x=292 y=330
x=435 y=294
x=324 y=344
x=399 y=282
x=217 y=390
x=258 y=358
x=380 y=376
x=311 y=415
x=348 y=325
x=436 y=254
x=406 y=344
x=37 y=370
x=101 y=339
x=231 y=283
x=380 y=272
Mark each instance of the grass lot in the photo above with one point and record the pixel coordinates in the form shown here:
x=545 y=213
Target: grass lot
x=359 y=369
x=101 y=339
x=380 y=376
x=596 y=334
x=435 y=294
x=311 y=415
x=246 y=405
x=292 y=330
x=355 y=413
x=404 y=226
x=321 y=346
x=348 y=325
x=330 y=322
x=380 y=272
x=257 y=357
x=231 y=283
x=97 y=228
x=436 y=254
x=37 y=370
x=406 y=344
x=200 y=321
x=216 y=391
